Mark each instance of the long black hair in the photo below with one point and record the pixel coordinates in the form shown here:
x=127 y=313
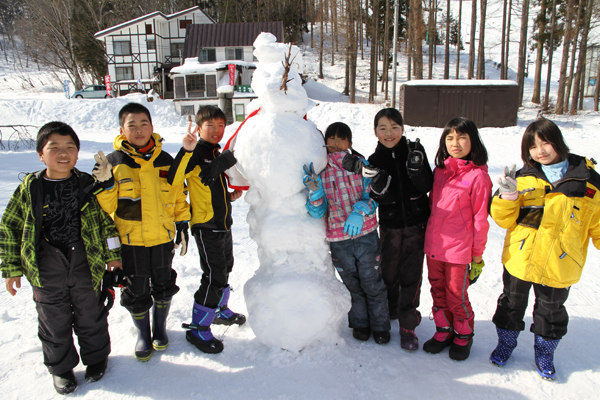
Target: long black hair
x=549 y=132
x=478 y=154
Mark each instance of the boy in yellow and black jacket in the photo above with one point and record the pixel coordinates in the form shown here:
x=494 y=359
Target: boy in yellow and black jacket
x=202 y=164
x=149 y=214
x=550 y=209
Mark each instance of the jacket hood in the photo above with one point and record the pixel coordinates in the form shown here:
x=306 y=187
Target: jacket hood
x=577 y=169
x=458 y=165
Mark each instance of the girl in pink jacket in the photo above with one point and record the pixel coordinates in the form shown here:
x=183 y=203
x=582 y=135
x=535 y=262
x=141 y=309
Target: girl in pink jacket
x=456 y=234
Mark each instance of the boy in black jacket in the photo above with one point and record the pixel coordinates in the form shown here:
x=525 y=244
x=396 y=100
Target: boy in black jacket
x=200 y=162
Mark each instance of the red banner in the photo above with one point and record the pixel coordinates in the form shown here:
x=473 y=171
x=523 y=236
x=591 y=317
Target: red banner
x=108 y=86
x=231 y=74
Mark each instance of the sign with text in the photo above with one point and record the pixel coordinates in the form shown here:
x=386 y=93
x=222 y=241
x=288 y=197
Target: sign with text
x=108 y=85
x=231 y=74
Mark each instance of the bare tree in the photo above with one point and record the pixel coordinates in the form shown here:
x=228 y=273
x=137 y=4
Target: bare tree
x=582 y=54
x=470 y=73
x=374 y=46
x=480 y=51
x=539 y=59
x=575 y=37
x=560 y=97
x=458 y=41
x=522 y=49
x=550 y=53
x=503 y=40
x=447 y=48
x=417 y=29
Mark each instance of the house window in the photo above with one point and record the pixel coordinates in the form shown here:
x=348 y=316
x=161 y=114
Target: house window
x=183 y=23
x=151 y=44
x=187 y=110
x=234 y=54
x=207 y=55
x=124 y=73
x=239 y=112
x=175 y=49
x=148 y=29
x=194 y=83
x=122 y=48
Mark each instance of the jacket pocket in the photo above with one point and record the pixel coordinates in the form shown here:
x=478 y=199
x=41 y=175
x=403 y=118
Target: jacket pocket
x=574 y=220
x=167 y=196
x=517 y=245
x=566 y=267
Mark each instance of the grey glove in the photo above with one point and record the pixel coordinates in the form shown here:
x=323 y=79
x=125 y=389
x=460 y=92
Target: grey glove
x=508 y=184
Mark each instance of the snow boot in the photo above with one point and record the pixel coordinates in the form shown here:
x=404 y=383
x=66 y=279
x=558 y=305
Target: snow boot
x=507 y=341
x=65 y=383
x=143 y=347
x=160 y=311
x=224 y=315
x=544 y=356
x=463 y=339
x=199 y=333
x=444 y=335
x=381 y=337
x=95 y=372
x=408 y=339
x=362 y=334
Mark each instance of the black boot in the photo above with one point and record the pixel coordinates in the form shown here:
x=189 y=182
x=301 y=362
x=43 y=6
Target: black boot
x=65 y=383
x=95 y=372
x=361 y=334
x=160 y=311
x=143 y=347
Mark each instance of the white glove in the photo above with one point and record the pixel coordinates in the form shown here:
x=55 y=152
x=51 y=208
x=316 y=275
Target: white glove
x=508 y=184
x=103 y=169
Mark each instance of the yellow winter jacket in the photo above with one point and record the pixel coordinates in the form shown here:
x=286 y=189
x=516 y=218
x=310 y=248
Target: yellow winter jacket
x=143 y=205
x=549 y=227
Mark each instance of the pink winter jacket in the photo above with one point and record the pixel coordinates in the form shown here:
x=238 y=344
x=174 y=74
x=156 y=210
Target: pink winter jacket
x=458 y=226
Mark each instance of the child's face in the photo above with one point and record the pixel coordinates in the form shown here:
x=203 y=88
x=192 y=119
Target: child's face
x=60 y=156
x=212 y=130
x=543 y=152
x=458 y=144
x=335 y=144
x=137 y=128
x=388 y=132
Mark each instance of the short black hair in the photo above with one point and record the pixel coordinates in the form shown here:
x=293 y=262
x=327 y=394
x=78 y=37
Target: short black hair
x=340 y=130
x=549 y=132
x=478 y=154
x=389 y=113
x=208 y=113
x=54 y=127
x=133 y=108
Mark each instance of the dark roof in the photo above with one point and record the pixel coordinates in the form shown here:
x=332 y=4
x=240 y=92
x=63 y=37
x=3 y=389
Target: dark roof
x=227 y=35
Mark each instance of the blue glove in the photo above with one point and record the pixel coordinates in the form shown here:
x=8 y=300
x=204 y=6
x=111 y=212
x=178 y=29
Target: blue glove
x=354 y=224
x=363 y=206
x=312 y=181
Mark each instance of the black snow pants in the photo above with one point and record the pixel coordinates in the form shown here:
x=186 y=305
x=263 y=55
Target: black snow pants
x=216 y=260
x=550 y=318
x=401 y=267
x=148 y=274
x=66 y=302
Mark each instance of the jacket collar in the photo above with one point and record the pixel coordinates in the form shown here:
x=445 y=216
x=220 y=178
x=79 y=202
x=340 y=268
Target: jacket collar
x=121 y=144
x=577 y=170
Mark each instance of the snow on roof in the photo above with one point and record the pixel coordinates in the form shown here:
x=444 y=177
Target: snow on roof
x=459 y=82
x=193 y=66
x=106 y=31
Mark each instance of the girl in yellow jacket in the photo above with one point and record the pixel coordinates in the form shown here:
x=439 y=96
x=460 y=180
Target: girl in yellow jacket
x=551 y=209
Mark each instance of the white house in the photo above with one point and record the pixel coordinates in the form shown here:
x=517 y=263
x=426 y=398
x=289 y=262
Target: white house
x=146 y=48
x=218 y=68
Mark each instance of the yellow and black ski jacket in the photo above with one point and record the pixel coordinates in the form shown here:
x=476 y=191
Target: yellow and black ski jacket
x=550 y=225
x=143 y=205
x=211 y=207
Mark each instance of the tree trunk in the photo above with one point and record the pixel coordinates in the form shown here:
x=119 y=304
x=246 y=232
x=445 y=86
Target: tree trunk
x=386 y=51
x=550 y=54
x=458 y=42
x=470 y=73
x=560 y=97
x=447 y=48
x=321 y=16
x=522 y=49
x=480 y=52
x=597 y=91
x=506 y=52
x=582 y=54
x=539 y=59
x=431 y=35
x=374 y=45
x=580 y=16
x=417 y=29
x=503 y=42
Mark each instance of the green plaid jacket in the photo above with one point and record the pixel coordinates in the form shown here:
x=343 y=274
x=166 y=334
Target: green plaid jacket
x=21 y=229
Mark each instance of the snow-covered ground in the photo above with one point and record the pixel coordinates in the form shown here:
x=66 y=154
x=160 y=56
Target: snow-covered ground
x=247 y=369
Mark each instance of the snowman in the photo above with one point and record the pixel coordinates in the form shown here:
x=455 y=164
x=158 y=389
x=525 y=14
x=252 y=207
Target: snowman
x=294 y=299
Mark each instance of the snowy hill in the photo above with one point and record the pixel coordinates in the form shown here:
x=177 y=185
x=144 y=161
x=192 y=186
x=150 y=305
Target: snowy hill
x=246 y=369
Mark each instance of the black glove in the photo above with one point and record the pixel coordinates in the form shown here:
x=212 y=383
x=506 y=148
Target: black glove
x=415 y=159
x=107 y=293
x=216 y=167
x=182 y=238
x=357 y=165
x=381 y=183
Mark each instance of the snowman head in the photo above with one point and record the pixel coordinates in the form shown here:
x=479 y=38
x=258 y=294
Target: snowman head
x=268 y=77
